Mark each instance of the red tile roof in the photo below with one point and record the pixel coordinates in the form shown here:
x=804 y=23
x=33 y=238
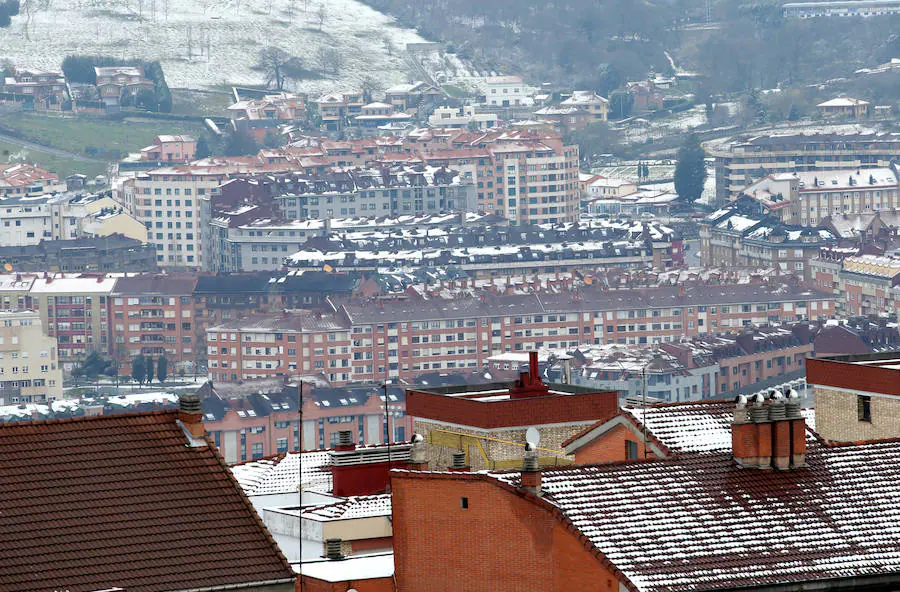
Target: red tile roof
x=697 y=521
x=124 y=501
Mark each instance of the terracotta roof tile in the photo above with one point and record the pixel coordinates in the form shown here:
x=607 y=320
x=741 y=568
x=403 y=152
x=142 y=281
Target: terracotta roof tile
x=122 y=501
x=697 y=521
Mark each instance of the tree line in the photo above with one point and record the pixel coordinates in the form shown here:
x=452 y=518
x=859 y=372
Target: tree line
x=143 y=367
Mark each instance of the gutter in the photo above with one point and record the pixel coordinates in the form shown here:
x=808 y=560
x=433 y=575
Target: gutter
x=239 y=586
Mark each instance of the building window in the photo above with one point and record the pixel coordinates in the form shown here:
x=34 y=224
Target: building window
x=631 y=450
x=864 y=408
x=257 y=450
x=464 y=503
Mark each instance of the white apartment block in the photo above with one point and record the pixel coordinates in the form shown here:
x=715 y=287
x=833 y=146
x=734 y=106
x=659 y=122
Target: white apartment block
x=29 y=369
x=27 y=221
x=167 y=202
x=506 y=91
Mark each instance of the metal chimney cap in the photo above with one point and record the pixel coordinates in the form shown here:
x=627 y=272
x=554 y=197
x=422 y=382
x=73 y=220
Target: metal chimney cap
x=793 y=395
x=777 y=397
x=758 y=399
x=417 y=438
x=740 y=401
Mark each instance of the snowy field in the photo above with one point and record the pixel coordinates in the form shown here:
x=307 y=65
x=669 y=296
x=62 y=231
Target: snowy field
x=209 y=43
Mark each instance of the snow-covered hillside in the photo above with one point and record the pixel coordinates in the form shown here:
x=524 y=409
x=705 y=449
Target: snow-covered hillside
x=371 y=43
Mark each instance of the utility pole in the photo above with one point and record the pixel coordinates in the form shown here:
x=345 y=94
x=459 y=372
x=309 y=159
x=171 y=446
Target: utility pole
x=644 y=406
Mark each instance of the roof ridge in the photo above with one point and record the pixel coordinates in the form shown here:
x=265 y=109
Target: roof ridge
x=86 y=418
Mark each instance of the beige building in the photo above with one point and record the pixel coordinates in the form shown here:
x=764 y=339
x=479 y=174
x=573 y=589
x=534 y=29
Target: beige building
x=857 y=396
x=29 y=370
x=74 y=308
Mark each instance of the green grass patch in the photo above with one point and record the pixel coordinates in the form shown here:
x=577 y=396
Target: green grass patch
x=454 y=91
x=109 y=137
x=58 y=164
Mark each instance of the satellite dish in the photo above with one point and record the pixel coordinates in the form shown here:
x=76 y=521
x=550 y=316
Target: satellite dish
x=533 y=435
x=7 y=267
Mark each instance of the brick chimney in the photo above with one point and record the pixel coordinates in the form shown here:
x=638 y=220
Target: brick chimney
x=769 y=432
x=190 y=416
x=531 y=470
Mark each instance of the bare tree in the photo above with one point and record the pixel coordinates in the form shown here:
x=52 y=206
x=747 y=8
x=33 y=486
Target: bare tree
x=190 y=42
x=388 y=45
x=321 y=14
x=370 y=87
x=329 y=59
x=278 y=66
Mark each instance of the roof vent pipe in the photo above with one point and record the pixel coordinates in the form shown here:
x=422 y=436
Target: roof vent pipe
x=345 y=438
x=458 y=461
x=334 y=549
x=189 y=403
x=792 y=405
x=776 y=409
x=758 y=411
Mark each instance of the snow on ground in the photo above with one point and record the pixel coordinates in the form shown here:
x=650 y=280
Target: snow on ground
x=641 y=130
x=164 y=30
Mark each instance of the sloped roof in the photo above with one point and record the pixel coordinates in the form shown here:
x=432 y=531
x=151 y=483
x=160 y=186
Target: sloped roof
x=358 y=506
x=697 y=426
x=123 y=500
x=280 y=473
x=700 y=522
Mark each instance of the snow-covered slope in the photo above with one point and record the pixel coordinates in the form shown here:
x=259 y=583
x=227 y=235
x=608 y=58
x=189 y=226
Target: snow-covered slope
x=165 y=30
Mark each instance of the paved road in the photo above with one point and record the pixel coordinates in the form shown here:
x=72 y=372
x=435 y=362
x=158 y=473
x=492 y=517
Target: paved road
x=47 y=149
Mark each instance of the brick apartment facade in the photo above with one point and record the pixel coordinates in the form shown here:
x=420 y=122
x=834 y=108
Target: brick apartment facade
x=371 y=341
x=153 y=316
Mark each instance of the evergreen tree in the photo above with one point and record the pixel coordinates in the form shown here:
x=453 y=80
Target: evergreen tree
x=148 y=368
x=138 y=369
x=690 y=169
x=162 y=368
x=203 y=150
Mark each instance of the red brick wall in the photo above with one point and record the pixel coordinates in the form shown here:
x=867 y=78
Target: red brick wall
x=372 y=585
x=608 y=448
x=502 y=542
x=853 y=376
x=513 y=412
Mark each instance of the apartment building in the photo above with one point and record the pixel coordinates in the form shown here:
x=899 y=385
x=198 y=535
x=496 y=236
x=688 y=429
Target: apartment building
x=402 y=337
x=113 y=253
x=29 y=369
x=153 y=316
x=736 y=236
x=74 y=309
x=741 y=161
x=533 y=182
x=27 y=220
x=506 y=91
x=809 y=198
x=862 y=284
x=492 y=251
x=298 y=342
x=167 y=202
